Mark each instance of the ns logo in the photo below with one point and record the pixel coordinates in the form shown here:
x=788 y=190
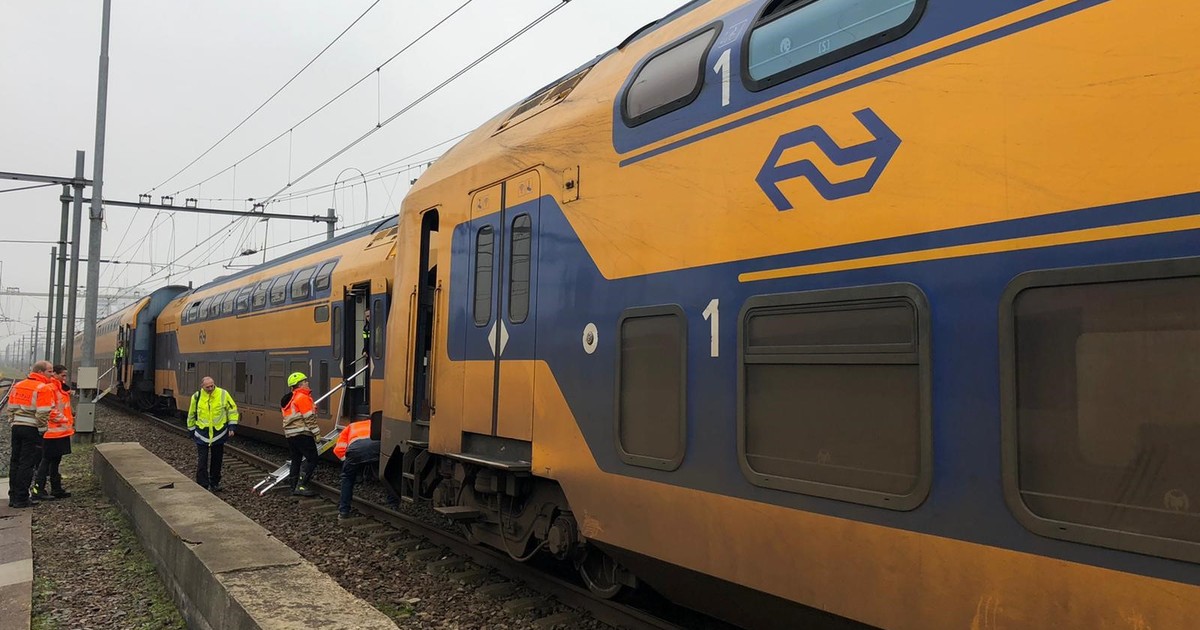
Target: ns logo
x=879 y=150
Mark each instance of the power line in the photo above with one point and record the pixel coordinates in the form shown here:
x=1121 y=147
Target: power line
x=422 y=98
x=8 y=190
x=269 y=99
x=330 y=102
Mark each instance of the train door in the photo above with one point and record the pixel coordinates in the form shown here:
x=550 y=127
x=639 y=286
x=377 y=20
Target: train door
x=504 y=307
x=355 y=337
x=424 y=297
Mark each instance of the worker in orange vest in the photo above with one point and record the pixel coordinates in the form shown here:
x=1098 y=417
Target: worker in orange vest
x=301 y=430
x=29 y=404
x=357 y=451
x=57 y=440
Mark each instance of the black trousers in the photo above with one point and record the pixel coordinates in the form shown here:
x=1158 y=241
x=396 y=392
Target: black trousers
x=26 y=453
x=303 y=446
x=208 y=464
x=48 y=468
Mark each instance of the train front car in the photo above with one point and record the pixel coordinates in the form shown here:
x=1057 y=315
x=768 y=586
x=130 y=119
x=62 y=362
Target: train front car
x=882 y=309
x=304 y=312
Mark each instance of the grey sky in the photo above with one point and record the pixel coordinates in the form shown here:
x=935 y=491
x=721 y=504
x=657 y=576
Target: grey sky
x=182 y=74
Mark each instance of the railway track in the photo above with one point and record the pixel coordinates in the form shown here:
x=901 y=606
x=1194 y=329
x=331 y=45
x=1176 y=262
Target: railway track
x=448 y=554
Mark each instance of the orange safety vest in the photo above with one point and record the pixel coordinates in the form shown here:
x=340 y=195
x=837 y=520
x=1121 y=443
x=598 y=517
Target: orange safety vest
x=31 y=401
x=353 y=432
x=62 y=419
x=299 y=414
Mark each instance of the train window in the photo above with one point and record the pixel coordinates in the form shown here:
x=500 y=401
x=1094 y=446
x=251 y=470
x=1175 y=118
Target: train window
x=521 y=237
x=279 y=289
x=321 y=281
x=258 y=299
x=794 y=37
x=302 y=285
x=669 y=80
x=276 y=382
x=1099 y=373
x=378 y=320
x=834 y=400
x=321 y=314
x=651 y=387
x=242 y=304
x=205 y=311
x=337 y=331
x=190 y=314
x=322 y=387
x=484 y=249
x=227 y=303
x=239 y=378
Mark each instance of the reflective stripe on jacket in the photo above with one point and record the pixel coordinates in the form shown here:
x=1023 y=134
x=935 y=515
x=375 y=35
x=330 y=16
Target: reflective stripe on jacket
x=62 y=418
x=208 y=414
x=299 y=414
x=353 y=432
x=31 y=401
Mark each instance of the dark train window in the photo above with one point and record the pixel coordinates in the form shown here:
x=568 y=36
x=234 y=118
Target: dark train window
x=378 y=320
x=322 y=280
x=834 y=399
x=242 y=305
x=227 y=303
x=669 y=80
x=484 y=250
x=276 y=382
x=239 y=378
x=794 y=37
x=279 y=289
x=518 y=268
x=651 y=387
x=301 y=286
x=321 y=314
x=337 y=331
x=205 y=308
x=1102 y=438
x=192 y=313
x=258 y=299
x=226 y=375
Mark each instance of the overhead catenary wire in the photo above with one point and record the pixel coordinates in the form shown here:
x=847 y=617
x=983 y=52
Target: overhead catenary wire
x=422 y=98
x=332 y=100
x=8 y=190
x=269 y=98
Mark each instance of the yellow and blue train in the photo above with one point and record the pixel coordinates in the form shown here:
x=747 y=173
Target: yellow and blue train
x=881 y=309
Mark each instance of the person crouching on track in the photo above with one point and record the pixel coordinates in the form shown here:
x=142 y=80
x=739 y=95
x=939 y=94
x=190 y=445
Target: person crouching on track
x=212 y=418
x=357 y=451
x=29 y=405
x=57 y=440
x=301 y=430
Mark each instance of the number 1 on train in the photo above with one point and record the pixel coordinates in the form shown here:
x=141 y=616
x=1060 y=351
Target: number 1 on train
x=713 y=314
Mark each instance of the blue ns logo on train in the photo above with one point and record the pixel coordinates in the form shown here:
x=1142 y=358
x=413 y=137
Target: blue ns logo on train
x=880 y=149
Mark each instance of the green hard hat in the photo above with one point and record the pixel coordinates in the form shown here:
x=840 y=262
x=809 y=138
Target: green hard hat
x=296 y=378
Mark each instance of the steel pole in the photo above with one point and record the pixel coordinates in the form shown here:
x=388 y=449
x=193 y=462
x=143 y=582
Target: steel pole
x=50 y=309
x=61 y=285
x=97 y=214
x=73 y=292
x=329 y=226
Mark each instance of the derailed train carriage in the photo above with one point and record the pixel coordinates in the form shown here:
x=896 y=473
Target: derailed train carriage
x=883 y=310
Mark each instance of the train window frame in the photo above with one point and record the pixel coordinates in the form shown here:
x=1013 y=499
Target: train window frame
x=321 y=313
x=335 y=318
x=227 y=303
x=205 y=309
x=844 y=299
x=650 y=461
x=324 y=275
x=281 y=282
x=765 y=17
x=486 y=311
x=242 y=302
x=302 y=283
x=713 y=30
x=1094 y=535
x=191 y=313
x=261 y=290
x=378 y=328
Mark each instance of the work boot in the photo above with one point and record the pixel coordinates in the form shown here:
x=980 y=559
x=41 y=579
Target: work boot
x=21 y=504
x=303 y=491
x=38 y=493
x=59 y=493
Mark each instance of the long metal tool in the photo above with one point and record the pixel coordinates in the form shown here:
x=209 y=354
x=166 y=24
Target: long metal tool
x=324 y=444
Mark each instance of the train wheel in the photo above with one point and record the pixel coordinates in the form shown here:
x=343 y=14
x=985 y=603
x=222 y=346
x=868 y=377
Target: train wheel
x=601 y=574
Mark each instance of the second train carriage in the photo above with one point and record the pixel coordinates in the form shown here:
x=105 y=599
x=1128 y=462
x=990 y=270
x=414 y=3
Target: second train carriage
x=305 y=312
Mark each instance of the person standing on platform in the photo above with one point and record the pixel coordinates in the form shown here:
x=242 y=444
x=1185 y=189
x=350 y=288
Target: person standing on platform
x=29 y=404
x=212 y=418
x=57 y=441
x=301 y=430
